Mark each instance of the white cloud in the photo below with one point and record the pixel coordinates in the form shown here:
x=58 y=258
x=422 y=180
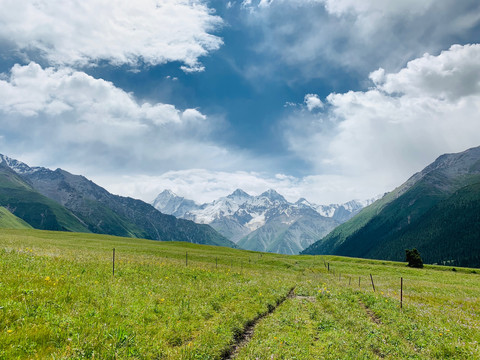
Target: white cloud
x=66 y=118
x=120 y=32
x=371 y=8
x=451 y=75
x=205 y=186
x=379 y=137
x=313 y=102
x=314 y=36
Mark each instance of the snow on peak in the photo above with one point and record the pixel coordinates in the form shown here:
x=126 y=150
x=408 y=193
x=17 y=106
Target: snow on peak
x=273 y=196
x=18 y=166
x=239 y=196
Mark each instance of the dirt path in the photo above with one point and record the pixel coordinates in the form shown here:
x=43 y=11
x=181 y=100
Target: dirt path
x=243 y=338
x=370 y=313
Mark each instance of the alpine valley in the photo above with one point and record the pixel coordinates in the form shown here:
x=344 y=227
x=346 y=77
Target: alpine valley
x=267 y=222
x=436 y=211
x=57 y=200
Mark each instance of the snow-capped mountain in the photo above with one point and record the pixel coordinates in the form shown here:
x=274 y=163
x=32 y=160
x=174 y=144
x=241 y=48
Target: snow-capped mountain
x=17 y=166
x=267 y=222
x=173 y=205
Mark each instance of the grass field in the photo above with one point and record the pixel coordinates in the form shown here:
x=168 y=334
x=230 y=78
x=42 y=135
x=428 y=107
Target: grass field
x=60 y=300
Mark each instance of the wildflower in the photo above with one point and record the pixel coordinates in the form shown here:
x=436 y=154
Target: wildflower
x=47 y=278
x=162 y=299
x=9 y=331
x=440 y=334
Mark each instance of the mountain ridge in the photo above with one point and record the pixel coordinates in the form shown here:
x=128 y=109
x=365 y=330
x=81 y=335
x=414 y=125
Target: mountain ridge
x=378 y=231
x=101 y=212
x=259 y=222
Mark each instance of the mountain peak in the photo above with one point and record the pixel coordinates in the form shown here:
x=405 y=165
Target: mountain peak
x=17 y=166
x=239 y=193
x=168 y=192
x=273 y=195
x=302 y=202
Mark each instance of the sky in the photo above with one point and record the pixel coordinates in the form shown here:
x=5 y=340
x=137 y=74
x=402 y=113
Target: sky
x=330 y=100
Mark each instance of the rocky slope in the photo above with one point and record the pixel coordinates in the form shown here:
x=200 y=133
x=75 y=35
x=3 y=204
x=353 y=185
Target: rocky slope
x=267 y=222
x=101 y=212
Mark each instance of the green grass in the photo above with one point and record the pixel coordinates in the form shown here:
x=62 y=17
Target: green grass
x=59 y=300
x=10 y=221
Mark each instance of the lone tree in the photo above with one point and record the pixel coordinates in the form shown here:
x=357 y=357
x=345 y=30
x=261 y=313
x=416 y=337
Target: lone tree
x=413 y=258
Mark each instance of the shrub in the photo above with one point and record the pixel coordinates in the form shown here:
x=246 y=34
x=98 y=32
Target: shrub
x=413 y=258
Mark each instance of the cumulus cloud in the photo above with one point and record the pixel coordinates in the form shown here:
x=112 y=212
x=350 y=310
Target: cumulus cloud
x=407 y=119
x=204 y=186
x=86 y=124
x=312 y=101
x=120 y=32
x=314 y=36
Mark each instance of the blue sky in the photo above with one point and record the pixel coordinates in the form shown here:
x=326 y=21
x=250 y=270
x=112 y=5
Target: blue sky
x=323 y=99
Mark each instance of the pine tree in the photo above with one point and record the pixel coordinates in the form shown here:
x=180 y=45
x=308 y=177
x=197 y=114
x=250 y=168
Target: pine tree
x=413 y=258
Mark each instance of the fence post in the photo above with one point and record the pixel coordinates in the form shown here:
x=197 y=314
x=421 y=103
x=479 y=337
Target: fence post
x=359 y=281
x=349 y=281
x=373 y=285
x=113 y=262
x=401 y=293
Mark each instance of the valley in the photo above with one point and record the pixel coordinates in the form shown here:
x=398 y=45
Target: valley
x=176 y=300
x=266 y=222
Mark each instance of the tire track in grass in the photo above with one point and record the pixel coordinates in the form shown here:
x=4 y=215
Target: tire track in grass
x=370 y=313
x=246 y=335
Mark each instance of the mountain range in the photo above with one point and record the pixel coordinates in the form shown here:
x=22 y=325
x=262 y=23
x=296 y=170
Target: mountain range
x=57 y=200
x=436 y=211
x=267 y=222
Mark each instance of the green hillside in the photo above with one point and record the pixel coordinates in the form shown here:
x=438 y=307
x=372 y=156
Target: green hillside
x=35 y=209
x=337 y=236
x=396 y=216
x=174 y=300
x=10 y=221
x=452 y=226
x=406 y=217
x=105 y=213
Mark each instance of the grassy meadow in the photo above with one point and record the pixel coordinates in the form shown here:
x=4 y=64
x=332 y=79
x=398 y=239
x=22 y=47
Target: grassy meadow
x=60 y=300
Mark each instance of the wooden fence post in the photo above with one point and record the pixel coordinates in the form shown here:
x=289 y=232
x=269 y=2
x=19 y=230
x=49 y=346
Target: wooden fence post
x=113 y=262
x=373 y=285
x=401 y=293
